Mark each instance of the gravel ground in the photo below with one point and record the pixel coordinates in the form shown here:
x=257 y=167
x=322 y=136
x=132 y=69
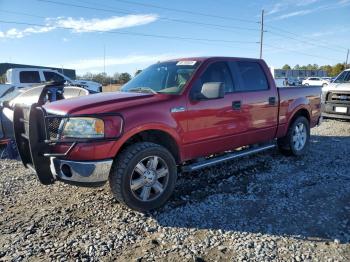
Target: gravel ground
x=265 y=207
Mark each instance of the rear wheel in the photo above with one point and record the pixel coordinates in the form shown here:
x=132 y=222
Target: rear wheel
x=143 y=176
x=297 y=139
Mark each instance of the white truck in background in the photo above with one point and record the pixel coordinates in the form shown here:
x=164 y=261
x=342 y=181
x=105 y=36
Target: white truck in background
x=336 y=97
x=26 y=77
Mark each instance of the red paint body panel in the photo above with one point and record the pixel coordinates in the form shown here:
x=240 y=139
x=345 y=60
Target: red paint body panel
x=205 y=127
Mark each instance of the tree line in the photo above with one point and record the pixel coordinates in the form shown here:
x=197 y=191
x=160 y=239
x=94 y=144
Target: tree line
x=330 y=70
x=104 y=79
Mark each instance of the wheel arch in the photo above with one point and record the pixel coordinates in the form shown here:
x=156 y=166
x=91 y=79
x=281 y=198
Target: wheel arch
x=302 y=111
x=155 y=135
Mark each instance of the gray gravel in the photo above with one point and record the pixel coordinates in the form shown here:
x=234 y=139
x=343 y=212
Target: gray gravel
x=262 y=208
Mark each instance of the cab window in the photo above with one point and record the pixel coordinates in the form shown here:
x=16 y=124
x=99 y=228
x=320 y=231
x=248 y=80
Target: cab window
x=216 y=72
x=52 y=76
x=29 y=77
x=252 y=76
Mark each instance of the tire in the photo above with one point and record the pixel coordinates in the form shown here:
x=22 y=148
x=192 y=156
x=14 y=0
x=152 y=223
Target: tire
x=143 y=176
x=292 y=143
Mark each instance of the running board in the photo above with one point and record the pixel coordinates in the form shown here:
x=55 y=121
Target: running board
x=229 y=156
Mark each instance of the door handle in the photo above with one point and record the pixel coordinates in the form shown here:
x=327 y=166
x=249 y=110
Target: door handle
x=236 y=105
x=272 y=100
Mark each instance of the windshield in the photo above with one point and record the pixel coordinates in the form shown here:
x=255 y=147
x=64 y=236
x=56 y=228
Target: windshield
x=167 y=77
x=344 y=77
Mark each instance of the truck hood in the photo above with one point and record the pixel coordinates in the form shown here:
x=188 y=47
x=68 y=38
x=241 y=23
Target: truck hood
x=337 y=87
x=98 y=103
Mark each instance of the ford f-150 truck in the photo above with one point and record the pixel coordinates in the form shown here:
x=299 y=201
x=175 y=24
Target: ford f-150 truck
x=183 y=114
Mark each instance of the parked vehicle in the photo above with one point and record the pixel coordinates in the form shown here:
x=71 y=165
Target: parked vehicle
x=24 y=77
x=17 y=95
x=181 y=114
x=292 y=81
x=315 y=81
x=336 y=97
x=329 y=79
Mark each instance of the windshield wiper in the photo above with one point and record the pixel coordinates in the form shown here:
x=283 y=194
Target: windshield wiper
x=142 y=90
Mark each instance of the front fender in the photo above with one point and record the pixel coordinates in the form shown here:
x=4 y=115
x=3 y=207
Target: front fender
x=147 y=127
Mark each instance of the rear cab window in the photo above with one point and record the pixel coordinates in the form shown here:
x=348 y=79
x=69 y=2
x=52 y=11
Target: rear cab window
x=251 y=75
x=31 y=77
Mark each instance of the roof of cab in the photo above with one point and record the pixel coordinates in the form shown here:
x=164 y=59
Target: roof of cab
x=205 y=58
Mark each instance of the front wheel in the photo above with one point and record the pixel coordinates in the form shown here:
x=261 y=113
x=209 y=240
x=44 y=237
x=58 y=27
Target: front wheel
x=143 y=176
x=297 y=139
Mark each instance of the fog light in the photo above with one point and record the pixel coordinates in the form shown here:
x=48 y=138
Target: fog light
x=66 y=170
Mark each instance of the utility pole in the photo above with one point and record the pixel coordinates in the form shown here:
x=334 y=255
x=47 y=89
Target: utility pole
x=346 y=61
x=104 y=59
x=261 y=33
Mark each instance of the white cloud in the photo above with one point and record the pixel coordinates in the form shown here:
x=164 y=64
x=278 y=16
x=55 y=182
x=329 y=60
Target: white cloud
x=19 y=33
x=286 y=5
x=306 y=2
x=296 y=13
x=116 y=22
x=313 y=9
x=94 y=63
x=81 y=25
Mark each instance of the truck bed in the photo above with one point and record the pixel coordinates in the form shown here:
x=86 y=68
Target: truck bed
x=299 y=95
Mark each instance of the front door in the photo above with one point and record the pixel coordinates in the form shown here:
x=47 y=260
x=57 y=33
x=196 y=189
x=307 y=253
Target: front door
x=212 y=122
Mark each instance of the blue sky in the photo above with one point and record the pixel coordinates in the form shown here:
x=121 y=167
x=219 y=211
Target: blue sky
x=298 y=32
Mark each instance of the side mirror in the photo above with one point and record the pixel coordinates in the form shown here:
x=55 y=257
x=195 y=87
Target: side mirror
x=213 y=90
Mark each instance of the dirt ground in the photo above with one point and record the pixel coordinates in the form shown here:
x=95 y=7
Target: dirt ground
x=266 y=207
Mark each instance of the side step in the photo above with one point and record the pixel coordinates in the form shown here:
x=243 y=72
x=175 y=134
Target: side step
x=229 y=156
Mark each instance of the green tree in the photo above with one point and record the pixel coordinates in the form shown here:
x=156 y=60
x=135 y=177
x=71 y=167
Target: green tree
x=138 y=71
x=327 y=68
x=116 y=76
x=337 y=69
x=296 y=67
x=3 y=79
x=124 y=78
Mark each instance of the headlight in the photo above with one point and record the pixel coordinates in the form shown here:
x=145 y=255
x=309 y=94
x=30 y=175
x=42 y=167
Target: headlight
x=83 y=127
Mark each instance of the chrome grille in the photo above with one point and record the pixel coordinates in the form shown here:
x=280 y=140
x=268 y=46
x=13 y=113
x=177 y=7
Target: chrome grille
x=338 y=97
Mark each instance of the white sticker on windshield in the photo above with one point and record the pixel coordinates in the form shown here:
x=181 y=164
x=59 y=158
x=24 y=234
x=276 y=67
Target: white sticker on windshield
x=186 y=63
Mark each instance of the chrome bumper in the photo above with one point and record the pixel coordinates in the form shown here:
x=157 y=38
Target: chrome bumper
x=76 y=172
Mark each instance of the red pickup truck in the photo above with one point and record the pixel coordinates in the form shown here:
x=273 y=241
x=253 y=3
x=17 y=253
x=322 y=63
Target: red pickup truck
x=182 y=114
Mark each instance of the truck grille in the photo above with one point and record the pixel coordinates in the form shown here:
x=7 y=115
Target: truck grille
x=338 y=97
x=53 y=127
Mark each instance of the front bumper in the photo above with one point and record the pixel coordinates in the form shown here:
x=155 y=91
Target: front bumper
x=38 y=152
x=81 y=172
x=329 y=110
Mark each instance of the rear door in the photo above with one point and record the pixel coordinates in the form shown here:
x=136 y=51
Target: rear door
x=258 y=100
